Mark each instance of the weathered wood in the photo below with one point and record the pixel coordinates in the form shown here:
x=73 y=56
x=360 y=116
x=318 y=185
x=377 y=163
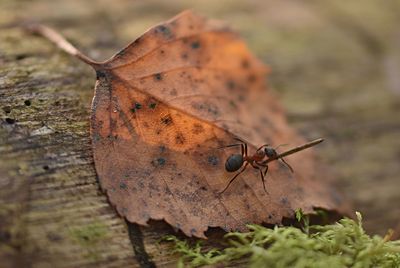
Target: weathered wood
x=334 y=81
x=53 y=213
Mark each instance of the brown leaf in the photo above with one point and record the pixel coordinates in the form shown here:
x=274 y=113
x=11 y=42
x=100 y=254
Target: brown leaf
x=163 y=106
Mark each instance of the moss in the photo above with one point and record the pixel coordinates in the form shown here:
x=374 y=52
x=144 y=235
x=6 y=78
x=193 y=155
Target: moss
x=343 y=244
x=90 y=237
x=89 y=234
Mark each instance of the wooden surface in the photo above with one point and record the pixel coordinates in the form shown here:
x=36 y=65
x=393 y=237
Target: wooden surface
x=335 y=68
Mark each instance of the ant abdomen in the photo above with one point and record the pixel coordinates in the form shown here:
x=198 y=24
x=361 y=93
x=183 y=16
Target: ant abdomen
x=234 y=162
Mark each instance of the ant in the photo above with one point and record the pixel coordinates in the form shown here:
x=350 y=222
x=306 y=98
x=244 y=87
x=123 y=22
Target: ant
x=257 y=160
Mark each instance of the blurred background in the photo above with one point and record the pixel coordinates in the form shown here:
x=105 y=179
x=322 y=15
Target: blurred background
x=335 y=67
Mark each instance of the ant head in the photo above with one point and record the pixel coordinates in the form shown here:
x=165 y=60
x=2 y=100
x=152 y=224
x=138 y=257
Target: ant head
x=270 y=152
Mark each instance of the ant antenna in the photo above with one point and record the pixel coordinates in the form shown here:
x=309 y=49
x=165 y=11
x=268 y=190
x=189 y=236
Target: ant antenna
x=296 y=149
x=285 y=144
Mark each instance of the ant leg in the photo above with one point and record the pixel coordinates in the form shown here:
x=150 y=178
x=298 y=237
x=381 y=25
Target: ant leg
x=287 y=164
x=234 y=177
x=262 y=177
x=263 y=163
x=266 y=170
x=245 y=146
x=231 y=145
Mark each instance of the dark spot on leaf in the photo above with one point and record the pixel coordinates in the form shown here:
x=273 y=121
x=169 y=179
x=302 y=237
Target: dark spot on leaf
x=158 y=162
x=230 y=84
x=166 y=31
x=179 y=138
x=269 y=216
x=27 y=103
x=138 y=106
x=209 y=107
x=153 y=186
x=213 y=160
x=167 y=120
x=112 y=138
x=195 y=45
x=245 y=64
x=251 y=78
x=10 y=120
x=173 y=92
x=45 y=167
x=123 y=186
x=197 y=128
x=158 y=77
x=162 y=51
x=241 y=98
x=152 y=105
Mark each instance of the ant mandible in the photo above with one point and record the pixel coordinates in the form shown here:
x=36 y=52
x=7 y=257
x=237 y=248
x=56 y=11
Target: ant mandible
x=257 y=161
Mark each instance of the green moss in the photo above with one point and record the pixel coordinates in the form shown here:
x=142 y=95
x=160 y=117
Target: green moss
x=90 y=238
x=89 y=234
x=344 y=244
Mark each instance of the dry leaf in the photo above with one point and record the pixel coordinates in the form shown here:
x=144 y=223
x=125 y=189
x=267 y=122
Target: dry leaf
x=162 y=107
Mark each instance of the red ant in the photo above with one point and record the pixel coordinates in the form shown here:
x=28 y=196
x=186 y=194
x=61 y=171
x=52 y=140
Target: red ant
x=257 y=161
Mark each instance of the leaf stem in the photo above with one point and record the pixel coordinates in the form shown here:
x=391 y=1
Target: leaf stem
x=61 y=42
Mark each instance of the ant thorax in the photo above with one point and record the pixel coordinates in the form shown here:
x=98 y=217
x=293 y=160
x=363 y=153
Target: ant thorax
x=259 y=155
